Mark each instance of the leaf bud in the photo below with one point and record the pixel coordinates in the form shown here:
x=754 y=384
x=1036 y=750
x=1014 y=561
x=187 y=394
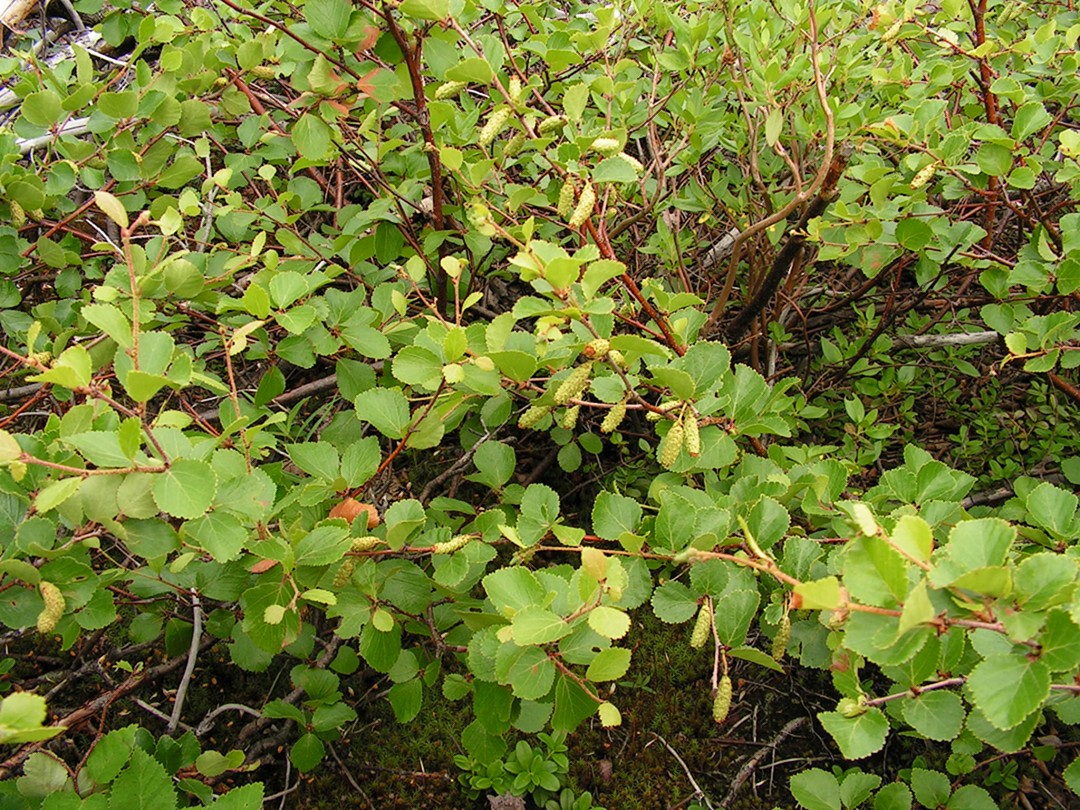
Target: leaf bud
x=53 y=609
x=852 y=707
x=567 y=196
x=584 y=207
x=495 y=124
x=702 y=626
x=722 y=702
x=449 y=90
x=671 y=444
x=574 y=385
x=614 y=418
x=532 y=416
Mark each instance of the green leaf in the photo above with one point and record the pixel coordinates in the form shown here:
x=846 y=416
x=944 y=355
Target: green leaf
x=874 y=572
x=425 y=9
x=1008 y=688
x=1029 y=119
x=931 y=788
x=419 y=367
x=858 y=736
x=821 y=594
x=913 y=234
x=319 y=459
x=894 y=796
x=937 y=715
x=513 y=589
x=406 y=699
x=473 y=69
x=496 y=462
x=1072 y=776
x=609 y=665
x=971 y=797
x=328 y=18
x=324 y=545
x=815 y=789
x=386 y=409
x=530 y=673
x=144 y=785
x=42 y=109
x=186 y=489
x=913 y=536
x=755 y=656
x=311 y=137
x=219 y=533
x=674 y=603
x=248 y=797
x=732 y=614
x=306 y=753
x=572 y=704
x=110 y=320
x=609 y=622
x=614 y=514
x=1052 y=508
x=614 y=170
x=857 y=788
x=72 y=369
x=55 y=493
x=536 y=625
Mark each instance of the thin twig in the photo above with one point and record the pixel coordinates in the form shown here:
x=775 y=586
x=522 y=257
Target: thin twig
x=698 y=792
x=193 y=656
x=760 y=754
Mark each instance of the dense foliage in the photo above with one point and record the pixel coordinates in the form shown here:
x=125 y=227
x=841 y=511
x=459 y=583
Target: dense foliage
x=443 y=339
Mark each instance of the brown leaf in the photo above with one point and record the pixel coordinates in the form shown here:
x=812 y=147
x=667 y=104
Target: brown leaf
x=350 y=508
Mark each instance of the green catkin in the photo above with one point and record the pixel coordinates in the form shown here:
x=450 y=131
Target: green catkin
x=574 y=385
x=671 y=444
x=18 y=213
x=597 y=348
x=614 y=418
x=569 y=420
x=551 y=124
x=448 y=90
x=263 y=71
x=584 y=208
x=451 y=545
x=514 y=88
x=567 y=196
x=513 y=146
x=365 y=543
x=722 y=702
x=692 y=433
x=702 y=626
x=531 y=417
x=495 y=124
x=923 y=176
x=606 y=146
x=635 y=164
x=781 y=639
x=53 y=609
x=653 y=416
x=344 y=574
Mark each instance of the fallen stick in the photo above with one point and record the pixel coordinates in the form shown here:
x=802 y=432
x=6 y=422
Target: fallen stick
x=755 y=760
